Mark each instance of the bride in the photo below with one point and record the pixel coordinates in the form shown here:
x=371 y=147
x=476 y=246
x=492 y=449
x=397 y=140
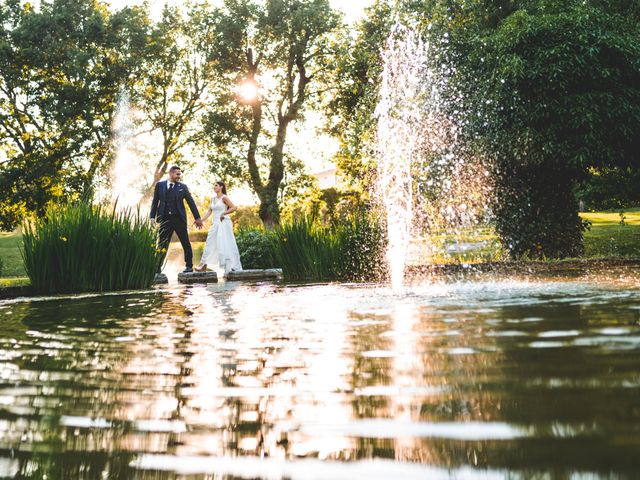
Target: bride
x=220 y=247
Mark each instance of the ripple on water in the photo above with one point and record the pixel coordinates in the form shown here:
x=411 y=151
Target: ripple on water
x=559 y=333
x=437 y=380
x=305 y=469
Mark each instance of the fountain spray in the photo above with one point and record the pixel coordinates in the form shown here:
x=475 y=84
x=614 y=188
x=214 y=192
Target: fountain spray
x=403 y=104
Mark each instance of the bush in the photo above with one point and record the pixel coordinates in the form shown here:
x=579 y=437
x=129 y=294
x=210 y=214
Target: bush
x=536 y=213
x=551 y=92
x=256 y=248
x=80 y=248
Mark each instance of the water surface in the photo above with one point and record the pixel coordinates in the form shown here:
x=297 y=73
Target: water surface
x=472 y=379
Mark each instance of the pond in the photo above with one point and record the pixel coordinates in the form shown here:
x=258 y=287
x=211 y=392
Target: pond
x=490 y=378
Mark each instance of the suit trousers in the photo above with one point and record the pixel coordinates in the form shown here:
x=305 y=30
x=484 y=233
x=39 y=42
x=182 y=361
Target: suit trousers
x=175 y=223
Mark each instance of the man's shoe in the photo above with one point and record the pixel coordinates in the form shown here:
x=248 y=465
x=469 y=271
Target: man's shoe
x=188 y=270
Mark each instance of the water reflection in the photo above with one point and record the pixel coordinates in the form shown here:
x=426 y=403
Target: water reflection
x=449 y=379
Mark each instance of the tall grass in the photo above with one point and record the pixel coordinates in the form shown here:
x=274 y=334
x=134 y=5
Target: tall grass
x=305 y=250
x=81 y=248
x=362 y=243
x=349 y=250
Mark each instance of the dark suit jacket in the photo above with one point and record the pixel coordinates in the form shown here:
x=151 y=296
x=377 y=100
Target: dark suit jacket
x=159 y=203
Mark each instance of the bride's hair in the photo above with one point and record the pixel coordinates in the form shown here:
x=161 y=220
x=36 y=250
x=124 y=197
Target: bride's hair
x=224 y=187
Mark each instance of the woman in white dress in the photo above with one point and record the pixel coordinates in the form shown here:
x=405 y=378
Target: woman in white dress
x=221 y=248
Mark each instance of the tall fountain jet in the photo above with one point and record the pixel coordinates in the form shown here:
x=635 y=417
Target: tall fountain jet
x=405 y=97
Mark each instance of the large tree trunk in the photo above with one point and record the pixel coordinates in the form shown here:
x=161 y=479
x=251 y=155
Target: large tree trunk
x=269 y=209
x=288 y=108
x=537 y=212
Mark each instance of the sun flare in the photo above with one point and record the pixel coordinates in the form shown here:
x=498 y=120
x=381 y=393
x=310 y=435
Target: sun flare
x=248 y=91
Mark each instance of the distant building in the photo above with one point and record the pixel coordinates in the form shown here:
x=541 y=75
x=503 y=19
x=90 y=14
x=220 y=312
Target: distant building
x=327 y=178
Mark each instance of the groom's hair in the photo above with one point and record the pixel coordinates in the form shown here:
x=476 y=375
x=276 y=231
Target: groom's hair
x=175 y=167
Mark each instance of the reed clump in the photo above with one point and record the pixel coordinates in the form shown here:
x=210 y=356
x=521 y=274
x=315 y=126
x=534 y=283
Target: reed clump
x=86 y=248
x=351 y=249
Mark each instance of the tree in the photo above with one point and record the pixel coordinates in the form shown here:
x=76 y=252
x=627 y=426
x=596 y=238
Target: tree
x=357 y=79
x=544 y=90
x=270 y=58
x=554 y=95
x=609 y=188
x=173 y=88
x=61 y=70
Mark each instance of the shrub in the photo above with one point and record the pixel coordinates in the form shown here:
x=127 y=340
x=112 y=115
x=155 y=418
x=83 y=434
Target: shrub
x=256 y=248
x=79 y=248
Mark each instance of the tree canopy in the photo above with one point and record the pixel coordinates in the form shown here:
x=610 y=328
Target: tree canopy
x=546 y=92
x=272 y=59
x=61 y=70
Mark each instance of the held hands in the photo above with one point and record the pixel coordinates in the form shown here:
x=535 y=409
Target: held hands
x=198 y=223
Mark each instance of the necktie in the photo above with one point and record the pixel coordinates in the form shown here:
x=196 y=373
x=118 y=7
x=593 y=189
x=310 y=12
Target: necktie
x=170 y=199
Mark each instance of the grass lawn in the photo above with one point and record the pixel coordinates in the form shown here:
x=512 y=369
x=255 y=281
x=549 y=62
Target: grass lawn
x=607 y=237
x=10 y=255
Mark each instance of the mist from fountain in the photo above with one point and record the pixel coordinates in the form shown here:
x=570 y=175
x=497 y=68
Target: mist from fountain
x=426 y=181
x=128 y=175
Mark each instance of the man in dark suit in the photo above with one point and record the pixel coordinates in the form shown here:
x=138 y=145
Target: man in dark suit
x=167 y=209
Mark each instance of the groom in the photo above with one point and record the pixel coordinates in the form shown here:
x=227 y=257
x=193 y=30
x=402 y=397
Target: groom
x=167 y=209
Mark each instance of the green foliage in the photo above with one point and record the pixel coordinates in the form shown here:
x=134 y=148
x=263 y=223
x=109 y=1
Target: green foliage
x=357 y=73
x=305 y=250
x=174 y=86
x=80 y=248
x=289 y=41
x=551 y=90
x=351 y=250
x=246 y=218
x=362 y=241
x=256 y=248
x=563 y=86
x=62 y=67
x=609 y=188
x=623 y=218
x=537 y=212
x=544 y=89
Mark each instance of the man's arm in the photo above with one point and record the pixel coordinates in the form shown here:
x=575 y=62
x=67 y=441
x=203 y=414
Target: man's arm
x=155 y=201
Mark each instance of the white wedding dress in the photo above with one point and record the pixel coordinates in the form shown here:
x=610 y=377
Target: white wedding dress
x=221 y=248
